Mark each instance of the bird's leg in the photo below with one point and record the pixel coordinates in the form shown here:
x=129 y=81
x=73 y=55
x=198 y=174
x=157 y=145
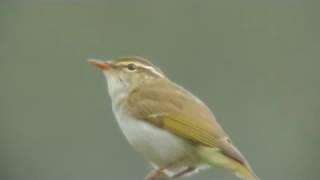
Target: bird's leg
x=189 y=169
x=158 y=174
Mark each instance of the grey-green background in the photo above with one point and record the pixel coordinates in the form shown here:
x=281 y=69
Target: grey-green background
x=255 y=62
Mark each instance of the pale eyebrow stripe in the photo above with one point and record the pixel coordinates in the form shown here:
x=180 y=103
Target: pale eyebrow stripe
x=148 y=67
x=153 y=70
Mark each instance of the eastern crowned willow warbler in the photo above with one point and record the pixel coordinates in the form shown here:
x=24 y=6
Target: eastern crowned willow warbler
x=169 y=126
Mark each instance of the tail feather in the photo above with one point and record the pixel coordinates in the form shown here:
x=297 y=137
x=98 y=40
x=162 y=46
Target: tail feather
x=214 y=157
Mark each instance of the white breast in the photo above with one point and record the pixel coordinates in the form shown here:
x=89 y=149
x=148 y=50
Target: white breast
x=156 y=145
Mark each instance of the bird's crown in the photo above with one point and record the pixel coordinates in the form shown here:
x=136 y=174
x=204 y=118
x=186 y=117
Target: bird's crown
x=137 y=63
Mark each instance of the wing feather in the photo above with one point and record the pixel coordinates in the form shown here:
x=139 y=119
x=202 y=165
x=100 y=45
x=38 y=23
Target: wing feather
x=170 y=107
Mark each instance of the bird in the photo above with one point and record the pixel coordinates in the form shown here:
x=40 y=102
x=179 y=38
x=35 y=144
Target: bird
x=169 y=126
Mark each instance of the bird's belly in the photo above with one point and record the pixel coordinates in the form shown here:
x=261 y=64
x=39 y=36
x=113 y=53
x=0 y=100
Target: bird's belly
x=157 y=145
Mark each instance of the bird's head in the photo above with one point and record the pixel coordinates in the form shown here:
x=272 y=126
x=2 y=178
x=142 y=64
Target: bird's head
x=126 y=73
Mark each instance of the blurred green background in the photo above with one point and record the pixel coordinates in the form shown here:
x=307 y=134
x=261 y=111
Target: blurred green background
x=256 y=62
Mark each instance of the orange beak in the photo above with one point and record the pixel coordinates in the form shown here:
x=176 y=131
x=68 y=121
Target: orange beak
x=100 y=64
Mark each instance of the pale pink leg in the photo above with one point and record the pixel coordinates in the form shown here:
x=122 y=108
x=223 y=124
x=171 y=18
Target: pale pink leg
x=184 y=172
x=156 y=174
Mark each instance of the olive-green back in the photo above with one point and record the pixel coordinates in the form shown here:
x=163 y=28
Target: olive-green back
x=172 y=108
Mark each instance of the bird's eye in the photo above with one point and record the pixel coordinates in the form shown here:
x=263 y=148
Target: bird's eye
x=132 y=67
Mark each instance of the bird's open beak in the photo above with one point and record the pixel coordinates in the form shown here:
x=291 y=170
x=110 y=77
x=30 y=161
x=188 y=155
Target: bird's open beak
x=100 y=64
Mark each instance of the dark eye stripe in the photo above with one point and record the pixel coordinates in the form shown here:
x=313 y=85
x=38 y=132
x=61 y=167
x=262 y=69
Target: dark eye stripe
x=151 y=71
x=131 y=67
x=141 y=68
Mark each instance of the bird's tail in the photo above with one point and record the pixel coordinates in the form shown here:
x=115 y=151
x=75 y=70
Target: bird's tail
x=214 y=157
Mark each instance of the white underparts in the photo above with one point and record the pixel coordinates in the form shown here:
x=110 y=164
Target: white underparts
x=157 y=145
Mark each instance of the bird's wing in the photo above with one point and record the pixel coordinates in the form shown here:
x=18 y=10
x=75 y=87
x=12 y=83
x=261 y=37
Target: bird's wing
x=174 y=109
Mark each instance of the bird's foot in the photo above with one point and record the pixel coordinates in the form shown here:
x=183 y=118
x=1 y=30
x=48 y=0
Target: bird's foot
x=156 y=174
